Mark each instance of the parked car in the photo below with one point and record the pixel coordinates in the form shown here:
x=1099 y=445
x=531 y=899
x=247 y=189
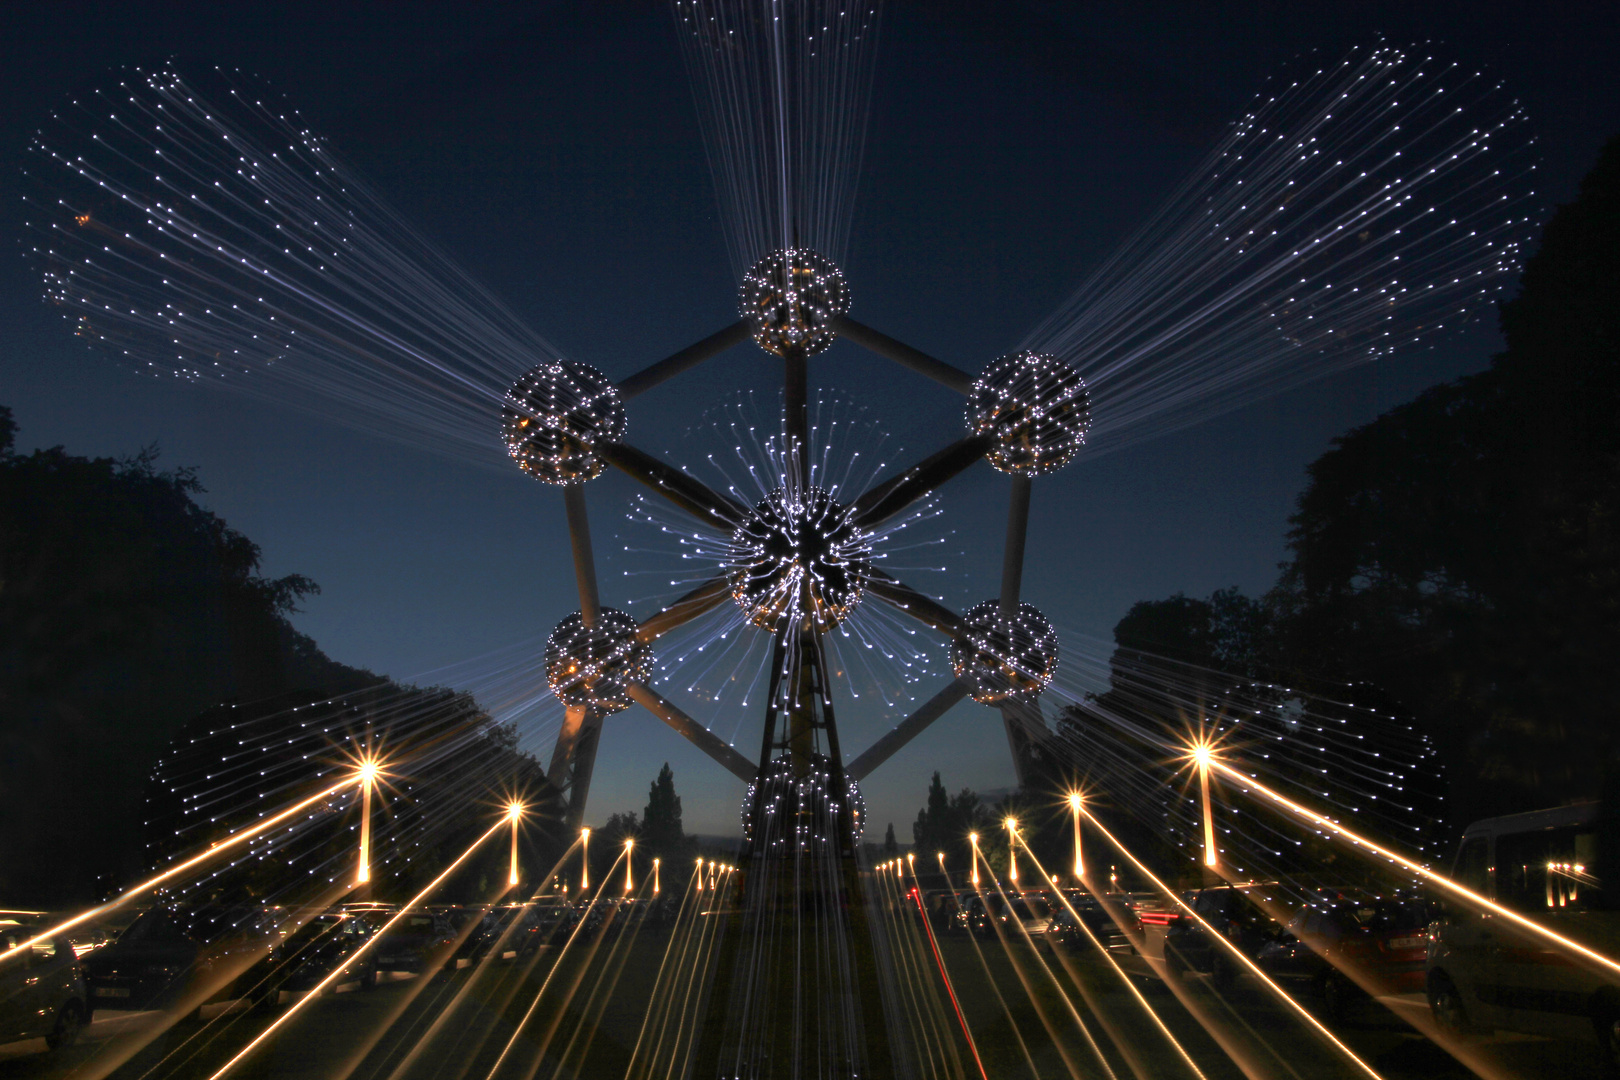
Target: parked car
x=1064 y=931
x=308 y=955
x=42 y=991
x=179 y=954
x=1384 y=941
x=417 y=941
x=1483 y=972
x=983 y=915
x=1174 y=943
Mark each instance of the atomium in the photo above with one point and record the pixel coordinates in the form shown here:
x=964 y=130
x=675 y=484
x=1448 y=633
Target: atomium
x=594 y=665
x=1002 y=658
x=793 y=299
x=806 y=800
x=798 y=556
x=1037 y=409
x=556 y=416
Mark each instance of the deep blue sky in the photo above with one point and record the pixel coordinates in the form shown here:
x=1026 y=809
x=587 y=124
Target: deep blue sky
x=553 y=150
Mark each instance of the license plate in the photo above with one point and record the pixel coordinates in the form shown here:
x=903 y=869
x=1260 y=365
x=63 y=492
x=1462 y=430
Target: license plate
x=112 y=991
x=1406 y=943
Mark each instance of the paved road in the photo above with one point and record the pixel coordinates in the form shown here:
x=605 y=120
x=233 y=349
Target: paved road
x=371 y=1035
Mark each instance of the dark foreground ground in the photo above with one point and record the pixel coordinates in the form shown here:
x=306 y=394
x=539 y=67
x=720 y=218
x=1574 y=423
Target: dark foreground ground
x=379 y=1034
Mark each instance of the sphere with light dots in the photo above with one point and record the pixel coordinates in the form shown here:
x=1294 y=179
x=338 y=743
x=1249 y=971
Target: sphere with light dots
x=798 y=556
x=1035 y=407
x=798 y=810
x=556 y=416
x=594 y=665
x=793 y=299
x=1005 y=658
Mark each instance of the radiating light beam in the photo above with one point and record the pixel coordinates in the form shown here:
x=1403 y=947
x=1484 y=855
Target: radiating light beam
x=1079 y=860
x=1237 y=953
x=973 y=1047
x=1422 y=871
x=1126 y=979
x=337 y=973
x=174 y=871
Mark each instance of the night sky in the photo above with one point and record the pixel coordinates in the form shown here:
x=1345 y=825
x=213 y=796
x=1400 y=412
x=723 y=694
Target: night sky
x=553 y=150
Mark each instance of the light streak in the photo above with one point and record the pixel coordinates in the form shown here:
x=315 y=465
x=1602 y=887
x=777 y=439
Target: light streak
x=585 y=859
x=1203 y=757
x=368 y=780
x=174 y=871
x=973 y=1047
x=628 y=882
x=1237 y=953
x=655 y=877
x=973 y=838
x=515 y=813
x=1422 y=871
x=1012 y=851
x=371 y=941
x=1124 y=978
x=1075 y=801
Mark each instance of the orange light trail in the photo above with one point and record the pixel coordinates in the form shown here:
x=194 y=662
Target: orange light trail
x=368 y=780
x=1126 y=979
x=515 y=812
x=1422 y=871
x=315 y=992
x=1221 y=939
x=174 y=871
x=940 y=960
x=1075 y=800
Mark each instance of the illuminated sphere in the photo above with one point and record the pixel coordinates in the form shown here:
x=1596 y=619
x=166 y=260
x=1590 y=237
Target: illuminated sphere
x=556 y=416
x=595 y=665
x=798 y=556
x=793 y=299
x=1037 y=409
x=1005 y=659
x=807 y=802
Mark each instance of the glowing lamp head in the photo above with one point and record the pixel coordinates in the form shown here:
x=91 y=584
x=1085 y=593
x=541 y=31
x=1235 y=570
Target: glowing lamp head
x=1035 y=408
x=594 y=665
x=514 y=810
x=798 y=556
x=556 y=416
x=793 y=299
x=1202 y=756
x=585 y=833
x=1004 y=658
x=368 y=772
x=1011 y=823
x=973 y=838
x=1074 y=800
x=629 y=842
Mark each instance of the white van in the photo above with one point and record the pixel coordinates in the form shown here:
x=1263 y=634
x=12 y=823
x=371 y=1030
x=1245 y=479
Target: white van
x=1485 y=973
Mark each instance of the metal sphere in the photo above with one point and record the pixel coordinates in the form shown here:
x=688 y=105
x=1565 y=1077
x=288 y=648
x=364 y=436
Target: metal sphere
x=1004 y=658
x=556 y=416
x=799 y=556
x=1036 y=407
x=793 y=299
x=806 y=802
x=595 y=665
